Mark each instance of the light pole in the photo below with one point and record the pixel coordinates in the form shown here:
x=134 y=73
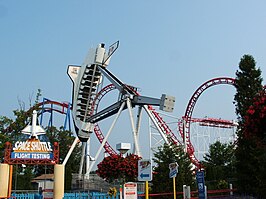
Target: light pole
x=123 y=148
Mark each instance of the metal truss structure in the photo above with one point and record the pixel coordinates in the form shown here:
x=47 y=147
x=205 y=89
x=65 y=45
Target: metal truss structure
x=206 y=131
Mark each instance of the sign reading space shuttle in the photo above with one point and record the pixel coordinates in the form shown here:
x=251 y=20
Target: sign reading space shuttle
x=32 y=148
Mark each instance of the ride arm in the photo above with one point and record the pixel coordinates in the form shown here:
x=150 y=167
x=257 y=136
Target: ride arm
x=107 y=112
x=123 y=88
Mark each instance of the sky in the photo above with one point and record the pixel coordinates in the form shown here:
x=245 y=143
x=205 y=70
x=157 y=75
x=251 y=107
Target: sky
x=169 y=47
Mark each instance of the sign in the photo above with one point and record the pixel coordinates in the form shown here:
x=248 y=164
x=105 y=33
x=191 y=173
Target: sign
x=32 y=155
x=32 y=145
x=48 y=193
x=130 y=190
x=32 y=149
x=144 y=170
x=111 y=51
x=173 y=169
x=201 y=184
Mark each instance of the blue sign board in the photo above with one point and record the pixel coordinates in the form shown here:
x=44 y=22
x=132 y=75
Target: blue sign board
x=31 y=155
x=201 y=184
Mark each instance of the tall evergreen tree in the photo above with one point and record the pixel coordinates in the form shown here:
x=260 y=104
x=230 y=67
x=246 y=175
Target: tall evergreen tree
x=248 y=85
x=163 y=157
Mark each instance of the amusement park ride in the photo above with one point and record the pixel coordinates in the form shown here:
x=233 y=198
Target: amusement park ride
x=87 y=80
x=89 y=89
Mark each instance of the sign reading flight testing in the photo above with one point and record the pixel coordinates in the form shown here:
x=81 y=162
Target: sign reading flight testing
x=144 y=170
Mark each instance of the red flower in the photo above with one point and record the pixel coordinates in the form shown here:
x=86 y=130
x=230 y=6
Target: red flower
x=116 y=167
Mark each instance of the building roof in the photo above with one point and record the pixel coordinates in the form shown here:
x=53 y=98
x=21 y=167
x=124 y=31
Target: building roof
x=43 y=177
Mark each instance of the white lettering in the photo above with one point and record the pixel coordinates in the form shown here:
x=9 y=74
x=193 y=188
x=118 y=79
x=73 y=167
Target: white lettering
x=22 y=155
x=49 y=146
x=16 y=146
x=32 y=155
x=32 y=146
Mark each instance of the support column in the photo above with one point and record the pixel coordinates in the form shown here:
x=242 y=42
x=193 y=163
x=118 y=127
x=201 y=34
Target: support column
x=10 y=181
x=4 y=180
x=59 y=181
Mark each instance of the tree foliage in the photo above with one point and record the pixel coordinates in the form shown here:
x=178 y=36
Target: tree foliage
x=162 y=158
x=65 y=139
x=248 y=83
x=252 y=149
x=117 y=168
x=248 y=156
x=255 y=120
x=4 y=135
x=219 y=164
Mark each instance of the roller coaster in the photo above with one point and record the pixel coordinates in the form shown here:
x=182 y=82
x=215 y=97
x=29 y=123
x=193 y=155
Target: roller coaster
x=170 y=136
x=87 y=112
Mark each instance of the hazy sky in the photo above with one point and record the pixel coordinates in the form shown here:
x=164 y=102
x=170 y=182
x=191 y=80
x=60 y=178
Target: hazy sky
x=167 y=47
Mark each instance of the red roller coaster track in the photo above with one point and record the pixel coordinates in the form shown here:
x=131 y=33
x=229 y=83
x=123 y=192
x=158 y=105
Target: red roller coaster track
x=184 y=128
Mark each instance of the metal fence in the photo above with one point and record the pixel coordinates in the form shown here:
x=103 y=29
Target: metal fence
x=100 y=195
x=80 y=195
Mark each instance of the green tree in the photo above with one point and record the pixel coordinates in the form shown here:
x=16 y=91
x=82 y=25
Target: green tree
x=165 y=155
x=248 y=84
x=23 y=177
x=65 y=139
x=219 y=164
x=4 y=134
